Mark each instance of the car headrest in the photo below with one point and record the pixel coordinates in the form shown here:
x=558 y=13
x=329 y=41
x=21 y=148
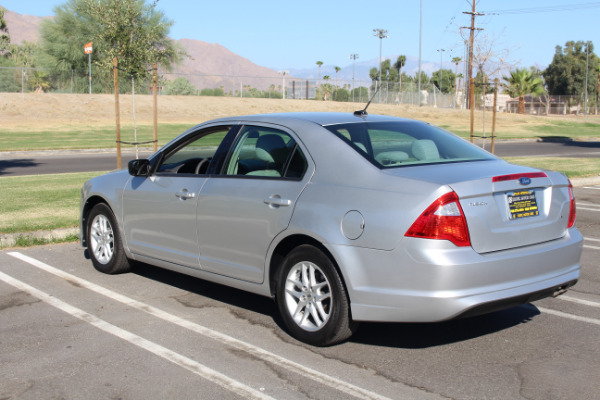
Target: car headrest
x=425 y=150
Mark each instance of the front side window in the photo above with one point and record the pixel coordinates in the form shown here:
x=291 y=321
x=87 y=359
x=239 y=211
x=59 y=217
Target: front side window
x=194 y=156
x=265 y=152
x=395 y=144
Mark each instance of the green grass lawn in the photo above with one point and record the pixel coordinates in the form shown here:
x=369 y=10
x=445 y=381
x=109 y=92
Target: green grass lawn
x=572 y=167
x=40 y=202
x=551 y=129
x=566 y=129
x=89 y=138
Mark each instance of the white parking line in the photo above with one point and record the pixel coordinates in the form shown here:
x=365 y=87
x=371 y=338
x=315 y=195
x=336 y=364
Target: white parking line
x=585 y=203
x=579 y=301
x=169 y=355
x=592 y=187
x=315 y=375
x=587 y=246
x=587 y=209
x=569 y=316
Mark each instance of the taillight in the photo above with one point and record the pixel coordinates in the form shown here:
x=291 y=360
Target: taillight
x=503 y=178
x=442 y=220
x=572 y=208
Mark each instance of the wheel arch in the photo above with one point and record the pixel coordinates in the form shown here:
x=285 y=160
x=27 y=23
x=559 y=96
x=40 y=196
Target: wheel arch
x=86 y=208
x=339 y=326
x=288 y=244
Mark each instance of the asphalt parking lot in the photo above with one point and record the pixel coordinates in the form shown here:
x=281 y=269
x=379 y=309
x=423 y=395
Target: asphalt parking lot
x=67 y=331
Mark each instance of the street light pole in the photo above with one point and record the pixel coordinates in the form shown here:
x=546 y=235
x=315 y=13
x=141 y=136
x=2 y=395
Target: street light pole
x=353 y=57
x=90 y=71
x=284 y=73
x=381 y=34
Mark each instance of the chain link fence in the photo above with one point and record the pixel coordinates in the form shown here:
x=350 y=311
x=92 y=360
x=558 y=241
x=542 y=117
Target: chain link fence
x=38 y=80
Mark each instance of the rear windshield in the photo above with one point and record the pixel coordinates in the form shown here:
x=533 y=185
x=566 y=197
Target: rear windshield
x=402 y=143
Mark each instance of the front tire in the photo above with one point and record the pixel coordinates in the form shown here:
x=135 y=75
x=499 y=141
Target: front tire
x=104 y=241
x=312 y=299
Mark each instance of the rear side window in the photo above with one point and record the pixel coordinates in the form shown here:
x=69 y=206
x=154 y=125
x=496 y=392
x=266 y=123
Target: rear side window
x=404 y=143
x=266 y=152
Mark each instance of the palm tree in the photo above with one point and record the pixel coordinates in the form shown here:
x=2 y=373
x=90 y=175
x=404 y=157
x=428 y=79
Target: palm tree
x=326 y=87
x=522 y=82
x=456 y=61
x=39 y=82
x=374 y=75
x=319 y=63
x=460 y=77
x=400 y=62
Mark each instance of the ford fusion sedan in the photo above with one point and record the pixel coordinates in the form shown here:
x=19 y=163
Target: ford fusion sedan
x=340 y=218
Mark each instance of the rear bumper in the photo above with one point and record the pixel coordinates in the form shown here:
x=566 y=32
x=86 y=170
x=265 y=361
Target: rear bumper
x=502 y=304
x=430 y=280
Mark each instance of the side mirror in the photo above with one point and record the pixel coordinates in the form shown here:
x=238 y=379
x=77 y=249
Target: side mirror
x=139 y=167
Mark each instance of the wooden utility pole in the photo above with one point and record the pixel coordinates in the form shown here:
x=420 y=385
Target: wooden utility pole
x=470 y=77
x=494 y=115
x=154 y=95
x=117 y=112
x=597 y=90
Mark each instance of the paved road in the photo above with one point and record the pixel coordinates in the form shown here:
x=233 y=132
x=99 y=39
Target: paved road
x=80 y=161
x=67 y=331
x=54 y=162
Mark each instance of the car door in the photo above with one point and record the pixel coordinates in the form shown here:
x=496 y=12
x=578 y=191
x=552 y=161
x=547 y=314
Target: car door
x=159 y=211
x=241 y=210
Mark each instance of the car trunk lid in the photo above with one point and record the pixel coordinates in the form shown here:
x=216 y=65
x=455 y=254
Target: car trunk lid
x=505 y=206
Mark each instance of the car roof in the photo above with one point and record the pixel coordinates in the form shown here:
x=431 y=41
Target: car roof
x=320 y=118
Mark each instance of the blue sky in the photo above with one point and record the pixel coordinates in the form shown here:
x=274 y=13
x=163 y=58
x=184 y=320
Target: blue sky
x=286 y=35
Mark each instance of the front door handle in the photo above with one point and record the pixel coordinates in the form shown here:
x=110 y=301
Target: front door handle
x=276 y=201
x=185 y=194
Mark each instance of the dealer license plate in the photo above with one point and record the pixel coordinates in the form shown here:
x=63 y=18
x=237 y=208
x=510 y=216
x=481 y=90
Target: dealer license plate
x=522 y=204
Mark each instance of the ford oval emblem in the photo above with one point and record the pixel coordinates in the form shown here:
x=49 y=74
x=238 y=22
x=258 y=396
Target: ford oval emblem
x=524 y=181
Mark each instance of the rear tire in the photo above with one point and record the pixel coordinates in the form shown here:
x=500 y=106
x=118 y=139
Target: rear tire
x=104 y=241
x=312 y=299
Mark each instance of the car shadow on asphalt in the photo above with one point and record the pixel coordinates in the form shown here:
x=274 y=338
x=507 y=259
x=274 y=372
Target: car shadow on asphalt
x=397 y=335
x=214 y=291
x=18 y=163
x=425 y=335
x=577 y=143
x=568 y=141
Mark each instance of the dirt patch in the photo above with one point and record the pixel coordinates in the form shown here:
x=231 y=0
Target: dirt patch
x=29 y=111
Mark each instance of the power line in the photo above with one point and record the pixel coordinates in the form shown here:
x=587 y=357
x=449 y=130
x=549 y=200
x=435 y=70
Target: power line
x=557 y=8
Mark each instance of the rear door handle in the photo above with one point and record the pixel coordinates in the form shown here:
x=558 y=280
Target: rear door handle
x=184 y=194
x=276 y=201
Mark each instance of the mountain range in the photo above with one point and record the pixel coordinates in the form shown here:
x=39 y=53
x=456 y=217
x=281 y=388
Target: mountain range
x=211 y=65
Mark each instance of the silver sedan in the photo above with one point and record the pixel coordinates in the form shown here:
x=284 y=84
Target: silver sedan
x=340 y=218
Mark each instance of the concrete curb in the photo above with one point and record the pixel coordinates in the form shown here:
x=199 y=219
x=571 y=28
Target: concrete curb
x=9 y=240
x=590 y=180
